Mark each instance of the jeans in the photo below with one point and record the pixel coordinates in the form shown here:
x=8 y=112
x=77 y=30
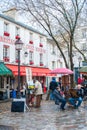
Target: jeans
x=63 y=103
x=52 y=96
x=76 y=102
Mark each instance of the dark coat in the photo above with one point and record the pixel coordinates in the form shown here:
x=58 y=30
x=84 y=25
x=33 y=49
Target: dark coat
x=53 y=85
x=57 y=95
x=80 y=92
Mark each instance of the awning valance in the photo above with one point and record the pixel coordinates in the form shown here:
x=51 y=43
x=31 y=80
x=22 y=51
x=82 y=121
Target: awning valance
x=4 y=71
x=36 y=71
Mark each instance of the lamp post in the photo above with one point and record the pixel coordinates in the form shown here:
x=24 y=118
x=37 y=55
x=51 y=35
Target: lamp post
x=18 y=46
x=79 y=59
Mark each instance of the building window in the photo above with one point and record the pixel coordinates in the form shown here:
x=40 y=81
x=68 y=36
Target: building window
x=84 y=33
x=40 y=44
x=84 y=47
x=31 y=38
x=6 y=53
x=53 y=64
x=31 y=57
x=41 y=39
x=53 y=50
x=41 y=59
x=16 y=56
x=17 y=31
x=61 y=64
x=6 y=27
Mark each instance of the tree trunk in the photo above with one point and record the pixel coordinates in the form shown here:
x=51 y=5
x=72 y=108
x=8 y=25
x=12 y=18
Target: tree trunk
x=71 y=62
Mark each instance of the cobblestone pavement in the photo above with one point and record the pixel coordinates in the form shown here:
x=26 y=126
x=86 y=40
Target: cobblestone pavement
x=48 y=117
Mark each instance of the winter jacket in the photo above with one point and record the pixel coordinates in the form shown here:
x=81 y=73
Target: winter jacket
x=53 y=85
x=57 y=95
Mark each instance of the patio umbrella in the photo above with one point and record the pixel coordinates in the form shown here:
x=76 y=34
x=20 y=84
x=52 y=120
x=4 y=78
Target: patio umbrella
x=61 y=71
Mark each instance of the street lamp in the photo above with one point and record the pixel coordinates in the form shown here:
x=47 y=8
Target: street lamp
x=18 y=47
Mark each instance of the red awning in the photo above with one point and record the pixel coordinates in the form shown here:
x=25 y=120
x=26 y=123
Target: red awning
x=14 y=69
x=41 y=71
x=36 y=71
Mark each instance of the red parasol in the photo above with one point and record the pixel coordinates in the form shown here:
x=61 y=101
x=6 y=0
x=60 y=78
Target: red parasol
x=61 y=71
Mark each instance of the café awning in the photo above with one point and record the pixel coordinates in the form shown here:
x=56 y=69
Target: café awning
x=4 y=71
x=36 y=71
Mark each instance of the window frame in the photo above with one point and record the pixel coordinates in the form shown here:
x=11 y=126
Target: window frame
x=6 y=27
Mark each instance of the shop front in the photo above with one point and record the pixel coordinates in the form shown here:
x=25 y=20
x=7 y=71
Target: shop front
x=36 y=72
x=5 y=75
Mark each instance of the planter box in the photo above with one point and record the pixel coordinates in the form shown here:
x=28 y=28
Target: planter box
x=31 y=42
x=31 y=62
x=6 y=59
x=6 y=34
x=17 y=37
x=41 y=64
x=41 y=45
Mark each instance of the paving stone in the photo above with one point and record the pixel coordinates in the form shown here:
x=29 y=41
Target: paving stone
x=2 y=127
x=48 y=117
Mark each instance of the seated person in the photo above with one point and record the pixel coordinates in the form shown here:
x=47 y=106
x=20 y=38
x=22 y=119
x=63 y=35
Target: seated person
x=76 y=101
x=59 y=97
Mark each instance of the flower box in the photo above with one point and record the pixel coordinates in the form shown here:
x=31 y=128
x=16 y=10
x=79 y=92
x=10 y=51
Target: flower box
x=31 y=62
x=17 y=60
x=6 y=59
x=41 y=64
x=17 y=37
x=41 y=45
x=31 y=42
x=6 y=34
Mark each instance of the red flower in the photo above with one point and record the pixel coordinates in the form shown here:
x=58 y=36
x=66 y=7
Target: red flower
x=6 y=34
x=17 y=60
x=41 y=64
x=41 y=45
x=31 y=62
x=17 y=37
x=6 y=59
x=31 y=42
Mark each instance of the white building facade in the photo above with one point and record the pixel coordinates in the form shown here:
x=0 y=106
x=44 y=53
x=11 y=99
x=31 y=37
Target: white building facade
x=35 y=44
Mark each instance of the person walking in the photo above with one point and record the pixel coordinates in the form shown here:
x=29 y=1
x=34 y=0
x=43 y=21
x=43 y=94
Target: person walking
x=38 y=93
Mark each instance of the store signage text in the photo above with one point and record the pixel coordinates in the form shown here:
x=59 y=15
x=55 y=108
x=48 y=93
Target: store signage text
x=29 y=47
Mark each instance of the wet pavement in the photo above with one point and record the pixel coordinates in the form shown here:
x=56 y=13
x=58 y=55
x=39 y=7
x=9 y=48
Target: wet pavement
x=48 y=117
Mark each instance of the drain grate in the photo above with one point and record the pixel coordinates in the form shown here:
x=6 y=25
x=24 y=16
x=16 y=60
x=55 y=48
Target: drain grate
x=2 y=127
